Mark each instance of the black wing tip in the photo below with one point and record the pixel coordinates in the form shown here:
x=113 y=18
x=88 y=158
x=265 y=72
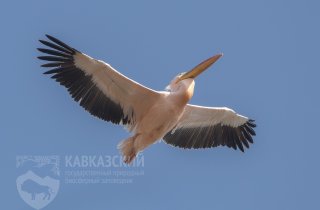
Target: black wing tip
x=58 y=53
x=242 y=148
x=50 y=65
x=44 y=58
x=252 y=123
x=52 y=38
x=52 y=71
x=59 y=45
x=42 y=50
x=49 y=36
x=62 y=44
x=42 y=41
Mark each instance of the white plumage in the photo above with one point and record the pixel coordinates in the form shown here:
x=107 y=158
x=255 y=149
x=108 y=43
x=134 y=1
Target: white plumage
x=150 y=115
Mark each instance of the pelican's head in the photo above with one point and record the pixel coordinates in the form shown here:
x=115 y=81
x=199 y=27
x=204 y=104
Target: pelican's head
x=188 y=77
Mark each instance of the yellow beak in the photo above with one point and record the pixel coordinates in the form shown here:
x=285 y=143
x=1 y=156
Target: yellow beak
x=200 y=68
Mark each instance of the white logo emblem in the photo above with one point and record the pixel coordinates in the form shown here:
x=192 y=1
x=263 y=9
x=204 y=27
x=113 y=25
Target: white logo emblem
x=38 y=183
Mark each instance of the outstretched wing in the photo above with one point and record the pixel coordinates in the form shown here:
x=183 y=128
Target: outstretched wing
x=100 y=89
x=205 y=127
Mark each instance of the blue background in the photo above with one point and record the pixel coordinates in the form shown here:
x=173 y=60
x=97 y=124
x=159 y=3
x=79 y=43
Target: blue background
x=269 y=72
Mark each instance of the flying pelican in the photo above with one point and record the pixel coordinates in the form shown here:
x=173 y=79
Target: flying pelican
x=150 y=115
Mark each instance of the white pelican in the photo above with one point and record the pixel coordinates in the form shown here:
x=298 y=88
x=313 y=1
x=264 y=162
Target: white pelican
x=150 y=115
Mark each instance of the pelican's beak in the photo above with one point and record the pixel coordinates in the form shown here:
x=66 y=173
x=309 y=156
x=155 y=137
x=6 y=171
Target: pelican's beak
x=200 y=68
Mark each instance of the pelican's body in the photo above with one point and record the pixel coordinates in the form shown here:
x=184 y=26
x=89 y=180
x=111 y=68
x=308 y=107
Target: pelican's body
x=150 y=115
x=161 y=117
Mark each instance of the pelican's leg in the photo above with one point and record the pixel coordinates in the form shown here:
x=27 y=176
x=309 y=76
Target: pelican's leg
x=127 y=149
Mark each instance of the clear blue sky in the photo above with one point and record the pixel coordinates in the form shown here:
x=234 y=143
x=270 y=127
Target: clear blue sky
x=269 y=72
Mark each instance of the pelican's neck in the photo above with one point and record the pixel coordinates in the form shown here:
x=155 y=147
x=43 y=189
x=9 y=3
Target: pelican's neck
x=184 y=90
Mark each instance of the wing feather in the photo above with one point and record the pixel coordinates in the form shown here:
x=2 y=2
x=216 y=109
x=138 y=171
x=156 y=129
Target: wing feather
x=99 y=88
x=205 y=127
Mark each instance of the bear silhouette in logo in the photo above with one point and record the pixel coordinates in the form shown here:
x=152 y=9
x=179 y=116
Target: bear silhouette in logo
x=33 y=188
